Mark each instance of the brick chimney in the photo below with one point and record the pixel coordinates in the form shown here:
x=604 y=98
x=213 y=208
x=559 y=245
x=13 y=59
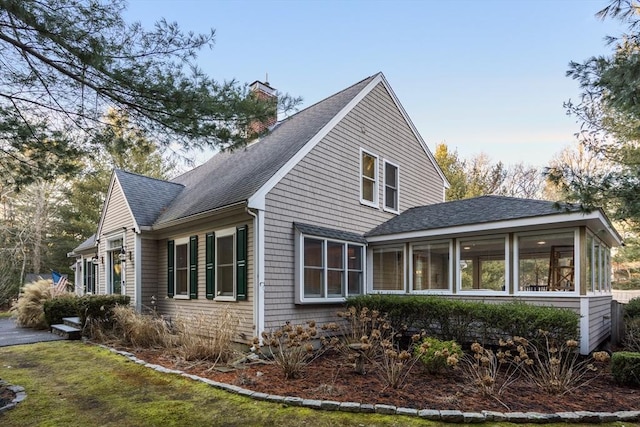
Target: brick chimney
x=264 y=92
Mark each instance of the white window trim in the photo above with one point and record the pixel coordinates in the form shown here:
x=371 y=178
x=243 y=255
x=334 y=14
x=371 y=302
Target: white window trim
x=507 y=264
x=376 y=184
x=402 y=291
x=384 y=187
x=449 y=289
x=226 y=232
x=299 y=291
x=576 y=262
x=176 y=243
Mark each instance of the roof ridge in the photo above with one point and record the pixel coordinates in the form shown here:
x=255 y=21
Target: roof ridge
x=147 y=177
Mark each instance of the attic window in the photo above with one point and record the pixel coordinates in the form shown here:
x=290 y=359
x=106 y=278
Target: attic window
x=368 y=179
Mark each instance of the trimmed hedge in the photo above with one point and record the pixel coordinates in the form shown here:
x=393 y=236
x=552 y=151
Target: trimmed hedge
x=57 y=308
x=468 y=321
x=625 y=368
x=99 y=307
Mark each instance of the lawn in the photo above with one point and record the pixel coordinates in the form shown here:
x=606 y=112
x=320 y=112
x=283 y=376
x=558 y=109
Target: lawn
x=76 y=384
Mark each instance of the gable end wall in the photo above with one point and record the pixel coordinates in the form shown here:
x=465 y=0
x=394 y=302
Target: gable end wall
x=324 y=189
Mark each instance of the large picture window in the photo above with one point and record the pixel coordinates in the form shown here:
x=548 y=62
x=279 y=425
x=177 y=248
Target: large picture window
x=546 y=262
x=482 y=264
x=388 y=269
x=431 y=263
x=331 y=270
x=368 y=178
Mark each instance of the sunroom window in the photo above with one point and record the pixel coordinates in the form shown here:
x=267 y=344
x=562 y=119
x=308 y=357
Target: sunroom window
x=388 y=269
x=331 y=270
x=546 y=262
x=482 y=264
x=431 y=266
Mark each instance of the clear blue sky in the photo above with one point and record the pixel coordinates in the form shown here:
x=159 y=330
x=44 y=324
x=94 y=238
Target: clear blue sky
x=482 y=76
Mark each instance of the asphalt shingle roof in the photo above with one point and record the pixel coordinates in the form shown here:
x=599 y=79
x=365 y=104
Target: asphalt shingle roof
x=231 y=177
x=477 y=210
x=90 y=243
x=330 y=233
x=147 y=197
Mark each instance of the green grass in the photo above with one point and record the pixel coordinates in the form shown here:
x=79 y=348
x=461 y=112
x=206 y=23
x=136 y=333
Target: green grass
x=75 y=384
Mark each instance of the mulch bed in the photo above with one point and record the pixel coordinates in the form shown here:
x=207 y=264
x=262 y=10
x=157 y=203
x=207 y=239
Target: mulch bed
x=327 y=378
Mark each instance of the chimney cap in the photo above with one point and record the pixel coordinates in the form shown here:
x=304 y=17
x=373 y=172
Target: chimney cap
x=263 y=87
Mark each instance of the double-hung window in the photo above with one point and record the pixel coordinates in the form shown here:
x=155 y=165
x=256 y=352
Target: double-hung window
x=329 y=270
x=391 y=187
x=89 y=276
x=368 y=179
x=182 y=262
x=226 y=264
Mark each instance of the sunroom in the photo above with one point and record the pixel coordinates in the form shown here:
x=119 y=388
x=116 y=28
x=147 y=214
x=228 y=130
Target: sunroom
x=496 y=249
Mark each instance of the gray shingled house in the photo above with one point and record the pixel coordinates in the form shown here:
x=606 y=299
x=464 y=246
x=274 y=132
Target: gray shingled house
x=342 y=198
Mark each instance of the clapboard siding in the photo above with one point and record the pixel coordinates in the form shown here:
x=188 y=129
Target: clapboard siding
x=184 y=307
x=599 y=320
x=117 y=217
x=324 y=189
x=150 y=273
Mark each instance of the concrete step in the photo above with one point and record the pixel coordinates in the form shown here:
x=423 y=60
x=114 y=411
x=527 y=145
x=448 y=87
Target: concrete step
x=67 y=332
x=72 y=321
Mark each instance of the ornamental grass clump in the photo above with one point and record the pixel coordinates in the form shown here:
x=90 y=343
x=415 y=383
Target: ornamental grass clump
x=29 y=310
x=139 y=330
x=291 y=347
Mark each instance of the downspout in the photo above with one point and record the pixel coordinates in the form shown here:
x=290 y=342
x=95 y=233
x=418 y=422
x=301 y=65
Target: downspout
x=137 y=270
x=258 y=268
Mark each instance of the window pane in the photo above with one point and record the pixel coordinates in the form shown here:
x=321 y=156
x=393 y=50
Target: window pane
x=355 y=257
x=181 y=282
x=482 y=264
x=312 y=253
x=334 y=283
x=390 y=199
x=225 y=250
x=388 y=269
x=313 y=283
x=589 y=266
x=431 y=266
x=391 y=175
x=542 y=259
x=355 y=283
x=225 y=280
x=335 y=255
x=368 y=166
x=368 y=187
x=181 y=256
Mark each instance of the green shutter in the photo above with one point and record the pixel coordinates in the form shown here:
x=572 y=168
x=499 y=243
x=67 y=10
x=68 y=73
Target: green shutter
x=170 y=270
x=241 y=262
x=193 y=267
x=210 y=244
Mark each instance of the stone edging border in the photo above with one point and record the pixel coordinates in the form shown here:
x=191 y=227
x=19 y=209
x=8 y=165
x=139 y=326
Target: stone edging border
x=19 y=396
x=450 y=416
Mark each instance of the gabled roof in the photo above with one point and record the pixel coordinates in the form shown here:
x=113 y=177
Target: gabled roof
x=90 y=243
x=232 y=177
x=147 y=197
x=480 y=212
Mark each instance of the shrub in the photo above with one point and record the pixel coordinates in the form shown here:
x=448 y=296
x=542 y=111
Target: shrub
x=96 y=313
x=632 y=308
x=632 y=334
x=466 y=321
x=438 y=355
x=291 y=347
x=57 y=308
x=206 y=336
x=481 y=367
x=29 y=311
x=555 y=367
x=625 y=368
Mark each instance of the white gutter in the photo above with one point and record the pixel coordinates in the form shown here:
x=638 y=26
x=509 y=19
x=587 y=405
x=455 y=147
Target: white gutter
x=258 y=263
x=137 y=270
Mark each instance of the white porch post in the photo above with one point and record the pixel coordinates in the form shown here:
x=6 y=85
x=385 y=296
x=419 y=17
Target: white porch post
x=584 y=325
